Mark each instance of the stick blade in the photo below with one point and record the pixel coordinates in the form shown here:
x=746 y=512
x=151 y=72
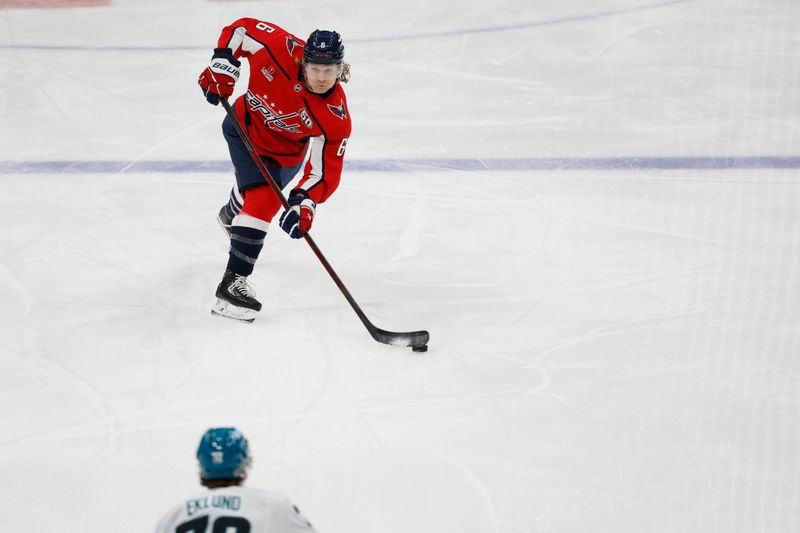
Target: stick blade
x=408 y=338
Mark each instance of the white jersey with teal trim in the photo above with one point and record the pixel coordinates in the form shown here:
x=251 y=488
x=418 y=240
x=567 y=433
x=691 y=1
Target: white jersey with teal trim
x=235 y=510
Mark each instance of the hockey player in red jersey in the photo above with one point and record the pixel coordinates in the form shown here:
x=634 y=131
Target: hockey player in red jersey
x=294 y=105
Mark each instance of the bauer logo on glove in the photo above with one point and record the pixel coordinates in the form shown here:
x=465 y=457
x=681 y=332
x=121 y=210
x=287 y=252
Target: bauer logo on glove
x=219 y=78
x=297 y=220
x=224 y=67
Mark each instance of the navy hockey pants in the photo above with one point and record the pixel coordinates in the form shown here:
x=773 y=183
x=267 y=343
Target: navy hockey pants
x=247 y=173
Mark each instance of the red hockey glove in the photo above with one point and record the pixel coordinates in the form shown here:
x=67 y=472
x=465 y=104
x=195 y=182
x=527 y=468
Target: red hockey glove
x=219 y=78
x=296 y=220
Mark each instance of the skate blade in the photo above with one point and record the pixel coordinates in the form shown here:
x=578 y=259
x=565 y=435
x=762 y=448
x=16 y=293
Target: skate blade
x=227 y=310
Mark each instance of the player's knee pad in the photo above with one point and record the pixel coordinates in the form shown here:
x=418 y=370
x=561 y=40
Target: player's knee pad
x=261 y=203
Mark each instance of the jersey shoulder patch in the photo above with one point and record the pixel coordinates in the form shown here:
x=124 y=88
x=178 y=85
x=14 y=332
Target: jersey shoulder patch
x=338 y=110
x=292 y=44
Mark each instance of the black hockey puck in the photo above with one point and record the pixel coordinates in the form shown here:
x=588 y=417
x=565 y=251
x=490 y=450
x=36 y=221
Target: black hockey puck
x=422 y=348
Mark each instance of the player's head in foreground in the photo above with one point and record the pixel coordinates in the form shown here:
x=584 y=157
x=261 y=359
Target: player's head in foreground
x=323 y=61
x=224 y=458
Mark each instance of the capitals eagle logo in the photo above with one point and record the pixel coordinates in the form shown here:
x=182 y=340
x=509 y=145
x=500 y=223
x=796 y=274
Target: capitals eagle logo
x=291 y=44
x=338 y=110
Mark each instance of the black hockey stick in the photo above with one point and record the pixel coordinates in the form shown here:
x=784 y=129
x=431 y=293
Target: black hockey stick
x=417 y=340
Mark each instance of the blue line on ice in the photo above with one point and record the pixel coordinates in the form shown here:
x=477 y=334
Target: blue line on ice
x=410 y=165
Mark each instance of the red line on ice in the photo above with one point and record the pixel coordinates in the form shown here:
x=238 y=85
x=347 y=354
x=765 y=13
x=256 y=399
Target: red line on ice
x=51 y=4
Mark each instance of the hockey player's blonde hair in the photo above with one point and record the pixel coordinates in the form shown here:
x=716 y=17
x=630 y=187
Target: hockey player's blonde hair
x=344 y=76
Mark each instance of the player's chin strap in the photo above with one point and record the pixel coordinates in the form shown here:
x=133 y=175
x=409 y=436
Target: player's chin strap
x=417 y=340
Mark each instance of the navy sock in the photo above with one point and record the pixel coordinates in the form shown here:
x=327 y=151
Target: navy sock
x=246 y=244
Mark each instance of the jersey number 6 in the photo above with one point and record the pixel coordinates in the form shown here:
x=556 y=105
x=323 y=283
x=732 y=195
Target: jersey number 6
x=223 y=524
x=342 y=147
x=264 y=27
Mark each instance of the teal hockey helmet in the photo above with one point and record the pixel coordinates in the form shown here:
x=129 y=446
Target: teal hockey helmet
x=223 y=453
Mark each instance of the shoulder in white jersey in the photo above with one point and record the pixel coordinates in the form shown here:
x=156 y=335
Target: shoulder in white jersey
x=235 y=509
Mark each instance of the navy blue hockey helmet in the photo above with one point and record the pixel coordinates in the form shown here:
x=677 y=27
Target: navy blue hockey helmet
x=223 y=453
x=324 y=47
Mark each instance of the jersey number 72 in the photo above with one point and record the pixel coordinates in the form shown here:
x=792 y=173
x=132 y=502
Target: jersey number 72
x=222 y=524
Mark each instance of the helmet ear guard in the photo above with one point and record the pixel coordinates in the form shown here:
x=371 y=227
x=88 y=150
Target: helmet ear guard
x=223 y=453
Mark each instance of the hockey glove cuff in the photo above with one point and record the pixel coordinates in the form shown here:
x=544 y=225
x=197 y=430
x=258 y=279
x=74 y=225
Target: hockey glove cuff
x=297 y=220
x=219 y=78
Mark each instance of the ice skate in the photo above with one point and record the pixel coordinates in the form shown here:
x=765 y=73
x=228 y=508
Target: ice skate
x=228 y=310
x=236 y=298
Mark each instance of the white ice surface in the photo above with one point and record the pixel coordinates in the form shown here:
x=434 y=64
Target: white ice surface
x=611 y=351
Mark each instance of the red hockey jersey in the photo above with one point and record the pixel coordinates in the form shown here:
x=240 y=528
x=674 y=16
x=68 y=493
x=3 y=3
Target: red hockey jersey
x=282 y=117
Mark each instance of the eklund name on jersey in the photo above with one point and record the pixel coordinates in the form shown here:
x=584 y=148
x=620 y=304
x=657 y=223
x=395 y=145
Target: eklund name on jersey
x=233 y=503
